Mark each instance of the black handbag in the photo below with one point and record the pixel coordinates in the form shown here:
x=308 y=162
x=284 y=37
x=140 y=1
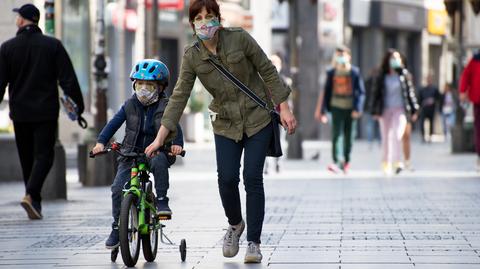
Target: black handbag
x=275 y=147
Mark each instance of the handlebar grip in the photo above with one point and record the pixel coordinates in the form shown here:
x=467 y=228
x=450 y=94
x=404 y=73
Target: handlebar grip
x=92 y=155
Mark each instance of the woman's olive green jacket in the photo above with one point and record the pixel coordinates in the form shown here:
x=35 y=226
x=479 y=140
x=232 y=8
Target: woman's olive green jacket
x=237 y=114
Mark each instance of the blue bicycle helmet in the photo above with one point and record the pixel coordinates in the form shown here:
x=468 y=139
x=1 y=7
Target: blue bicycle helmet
x=150 y=69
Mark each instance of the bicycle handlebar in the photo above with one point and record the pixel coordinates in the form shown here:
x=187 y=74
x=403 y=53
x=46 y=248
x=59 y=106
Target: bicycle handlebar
x=115 y=146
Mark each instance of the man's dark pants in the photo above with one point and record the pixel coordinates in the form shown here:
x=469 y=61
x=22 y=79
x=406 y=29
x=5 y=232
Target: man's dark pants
x=36 y=148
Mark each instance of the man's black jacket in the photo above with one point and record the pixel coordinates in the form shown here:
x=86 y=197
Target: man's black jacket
x=32 y=65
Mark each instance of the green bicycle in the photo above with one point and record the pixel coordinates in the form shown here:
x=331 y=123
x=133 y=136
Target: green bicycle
x=139 y=221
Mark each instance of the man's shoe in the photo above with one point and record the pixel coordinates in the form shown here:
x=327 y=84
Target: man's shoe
x=231 y=238
x=253 y=254
x=162 y=207
x=113 y=241
x=33 y=208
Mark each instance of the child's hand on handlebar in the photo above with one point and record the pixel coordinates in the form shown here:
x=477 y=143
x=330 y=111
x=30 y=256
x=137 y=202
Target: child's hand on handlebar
x=99 y=147
x=175 y=150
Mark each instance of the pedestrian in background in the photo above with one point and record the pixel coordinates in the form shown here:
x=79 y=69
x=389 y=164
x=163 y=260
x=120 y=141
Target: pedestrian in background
x=470 y=86
x=448 y=101
x=343 y=97
x=32 y=65
x=428 y=98
x=394 y=103
x=241 y=127
x=287 y=82
x=372 y=128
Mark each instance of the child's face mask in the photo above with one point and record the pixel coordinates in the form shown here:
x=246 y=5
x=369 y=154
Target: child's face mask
x=146 y=92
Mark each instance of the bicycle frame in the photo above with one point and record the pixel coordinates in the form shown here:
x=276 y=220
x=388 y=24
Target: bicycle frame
x=138 y=180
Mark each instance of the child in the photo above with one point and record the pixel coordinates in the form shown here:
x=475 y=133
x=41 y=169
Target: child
x=142 y=114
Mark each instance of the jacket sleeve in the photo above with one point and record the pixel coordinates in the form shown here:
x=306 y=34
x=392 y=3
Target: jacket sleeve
x=411 y=92
x=112 y=126
x=265 y=68
x=465 y=78
x=178 y=99
x=67 y=78
x=327 y=95
x=360 y=95
x=3 y=73
x=179 y=137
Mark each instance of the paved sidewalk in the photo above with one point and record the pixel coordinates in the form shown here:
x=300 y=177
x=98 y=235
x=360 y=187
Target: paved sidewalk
x=425 y=219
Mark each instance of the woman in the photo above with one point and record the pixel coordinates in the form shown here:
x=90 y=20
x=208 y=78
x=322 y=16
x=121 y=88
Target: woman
x=239 y=124
x=394 y=104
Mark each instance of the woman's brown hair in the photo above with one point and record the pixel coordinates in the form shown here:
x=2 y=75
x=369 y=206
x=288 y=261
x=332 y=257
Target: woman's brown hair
x=197 y=5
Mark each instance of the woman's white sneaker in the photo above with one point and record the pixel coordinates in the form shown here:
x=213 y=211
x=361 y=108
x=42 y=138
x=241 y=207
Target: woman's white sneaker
x=231 y=238
x=253 y=254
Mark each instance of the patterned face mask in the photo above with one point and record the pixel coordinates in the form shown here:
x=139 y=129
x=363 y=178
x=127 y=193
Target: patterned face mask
x=206 y=29
x=147 y=93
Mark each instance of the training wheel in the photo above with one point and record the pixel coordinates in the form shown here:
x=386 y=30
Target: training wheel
x=114 y=254
x=183 y=249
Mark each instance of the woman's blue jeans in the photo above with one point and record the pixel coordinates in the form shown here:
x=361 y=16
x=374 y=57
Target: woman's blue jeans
x=229 y=153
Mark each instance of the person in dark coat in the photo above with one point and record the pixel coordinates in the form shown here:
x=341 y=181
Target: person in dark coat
x=32 y=65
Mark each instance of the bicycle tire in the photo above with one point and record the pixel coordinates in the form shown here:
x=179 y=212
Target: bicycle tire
x=150 y=240
x=129 y=216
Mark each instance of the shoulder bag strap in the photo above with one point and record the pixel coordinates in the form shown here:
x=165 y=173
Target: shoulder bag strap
x=242 y=87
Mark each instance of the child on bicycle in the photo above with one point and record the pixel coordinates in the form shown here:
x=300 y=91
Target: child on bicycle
x=142 y=114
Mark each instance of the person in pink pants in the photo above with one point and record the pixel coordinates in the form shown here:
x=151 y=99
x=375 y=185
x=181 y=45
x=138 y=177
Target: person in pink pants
x=394 y=103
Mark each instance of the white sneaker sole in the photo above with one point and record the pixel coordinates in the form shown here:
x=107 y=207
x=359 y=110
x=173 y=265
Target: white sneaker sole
x=253 y=259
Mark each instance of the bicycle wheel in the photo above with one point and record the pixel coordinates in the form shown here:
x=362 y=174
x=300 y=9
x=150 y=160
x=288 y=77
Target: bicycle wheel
x=150 y=240
x=129 y=233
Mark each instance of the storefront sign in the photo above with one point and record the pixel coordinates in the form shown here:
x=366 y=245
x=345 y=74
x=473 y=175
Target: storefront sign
x=437 y=22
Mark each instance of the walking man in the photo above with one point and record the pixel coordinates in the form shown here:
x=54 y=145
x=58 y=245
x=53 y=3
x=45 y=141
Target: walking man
x=32 y=64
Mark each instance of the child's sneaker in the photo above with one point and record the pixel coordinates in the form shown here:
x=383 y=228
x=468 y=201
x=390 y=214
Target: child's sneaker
x=333 y=167
x=33 y=208
x=231 y=238
x=253 y=254
x=162 y=207
x=113 y=240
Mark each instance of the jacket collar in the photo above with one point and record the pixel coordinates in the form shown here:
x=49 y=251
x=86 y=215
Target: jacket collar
x=31 y=28
x=204 y=52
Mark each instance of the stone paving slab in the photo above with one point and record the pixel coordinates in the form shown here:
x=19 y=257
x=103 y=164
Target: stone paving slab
x=426 y=219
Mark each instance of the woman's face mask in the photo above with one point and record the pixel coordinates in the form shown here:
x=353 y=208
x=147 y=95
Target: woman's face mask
x=395 y=63
x=206 y=28
x=146 y=92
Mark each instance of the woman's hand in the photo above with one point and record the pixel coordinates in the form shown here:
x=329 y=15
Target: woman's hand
x=286 y=117
x=99 y=147
x=158 y=142
x=175 y=150
x=150 y=151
